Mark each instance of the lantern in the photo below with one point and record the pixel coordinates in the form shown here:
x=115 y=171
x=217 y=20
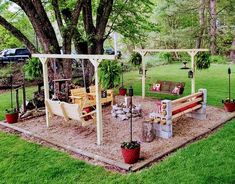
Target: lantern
x=190 y=74
x=131 y=91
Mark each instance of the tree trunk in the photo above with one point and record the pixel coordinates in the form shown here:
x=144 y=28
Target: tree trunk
x=213 y=27
x=201 y=24
x=232 y=53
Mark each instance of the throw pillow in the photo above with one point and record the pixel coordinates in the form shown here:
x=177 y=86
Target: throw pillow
x=176 y=90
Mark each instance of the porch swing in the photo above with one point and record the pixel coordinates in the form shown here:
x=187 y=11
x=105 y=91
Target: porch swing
x=66 y=110
x=168 y=87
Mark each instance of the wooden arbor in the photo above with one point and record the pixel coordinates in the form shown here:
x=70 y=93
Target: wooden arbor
x=191 y=52
x=95 y=60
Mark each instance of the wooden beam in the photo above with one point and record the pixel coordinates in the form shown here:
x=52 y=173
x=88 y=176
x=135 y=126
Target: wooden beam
x=185 y=98
x=170 y=50
x=99 y=122
x=186 y=104
x=46 y=86
x=70 y=148
x=186 y=111
x=143 y=73
x=74 y=56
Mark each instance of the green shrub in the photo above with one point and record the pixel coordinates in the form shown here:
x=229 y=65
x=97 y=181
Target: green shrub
x=218 y=59
x=109 y=74
x=33 y=69
x=6 y=71
x=166 y=56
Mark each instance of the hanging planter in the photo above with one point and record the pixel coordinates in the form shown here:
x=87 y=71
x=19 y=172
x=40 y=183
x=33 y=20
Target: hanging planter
x=136 y=59
x=109 y=75
x=202 y=61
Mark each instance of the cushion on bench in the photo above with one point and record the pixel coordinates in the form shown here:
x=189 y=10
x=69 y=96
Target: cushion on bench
x=169 y=87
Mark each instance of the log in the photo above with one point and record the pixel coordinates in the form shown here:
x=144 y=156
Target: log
x=148 y=131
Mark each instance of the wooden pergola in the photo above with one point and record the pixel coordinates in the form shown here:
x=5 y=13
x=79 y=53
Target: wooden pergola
x=191 y=52
x=95 y=60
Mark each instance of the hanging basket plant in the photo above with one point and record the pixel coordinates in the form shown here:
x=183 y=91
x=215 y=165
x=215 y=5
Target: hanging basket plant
x=136 y=59
x=109 y=74
x=203 y=61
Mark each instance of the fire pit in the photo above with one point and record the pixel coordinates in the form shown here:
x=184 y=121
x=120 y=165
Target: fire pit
x=123 y=112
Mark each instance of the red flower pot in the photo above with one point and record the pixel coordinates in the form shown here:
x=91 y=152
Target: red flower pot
x=131 y=156
x=11 y=117
x=122 y=91
x=229 y=106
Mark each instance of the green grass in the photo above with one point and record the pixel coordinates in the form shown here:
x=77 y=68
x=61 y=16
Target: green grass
x=211 y=160
x=208 y=161
x=5 y=100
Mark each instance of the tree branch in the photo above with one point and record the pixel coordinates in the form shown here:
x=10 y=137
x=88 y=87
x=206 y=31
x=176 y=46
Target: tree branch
x=57 y=15
x=17 y=33
x=103 y=12
x=118 y=13
x=87 y=17
x=76 y=12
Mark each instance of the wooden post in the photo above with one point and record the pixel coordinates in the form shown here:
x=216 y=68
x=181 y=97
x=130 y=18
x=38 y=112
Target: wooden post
x=17 y=100
x=99 y=122
x=24 y=97
x=46 y=86
x=143 y=73
x=193 y=65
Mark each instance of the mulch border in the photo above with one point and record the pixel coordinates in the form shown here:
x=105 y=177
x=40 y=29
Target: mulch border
x=116 y=164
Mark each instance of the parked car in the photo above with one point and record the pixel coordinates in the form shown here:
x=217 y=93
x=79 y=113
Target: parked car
x=14 y=55
x=111 y=51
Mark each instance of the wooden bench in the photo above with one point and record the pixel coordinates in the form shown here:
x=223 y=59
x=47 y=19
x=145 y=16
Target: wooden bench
x=167 y=87
x=193 y=105
x=84 y=99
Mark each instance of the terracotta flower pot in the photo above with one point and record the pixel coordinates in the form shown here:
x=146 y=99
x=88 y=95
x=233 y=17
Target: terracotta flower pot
x=122 y=91
x=11 y=117
x=131 y=156
x=229 y=106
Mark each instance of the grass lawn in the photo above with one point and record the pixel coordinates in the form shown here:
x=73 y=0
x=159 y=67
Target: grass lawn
x=211 y=160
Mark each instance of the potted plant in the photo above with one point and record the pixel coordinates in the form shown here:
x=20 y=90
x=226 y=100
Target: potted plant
x=109 y=75
x=11 y=116
x=131 y=149
x=229 y=104
x=122 y=89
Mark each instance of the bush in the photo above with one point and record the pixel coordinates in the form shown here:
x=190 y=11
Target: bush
x=33 y=69
x=109 y=74
x=5 y=74
x=166 y=56
x=6 y=71
x=219 y=59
